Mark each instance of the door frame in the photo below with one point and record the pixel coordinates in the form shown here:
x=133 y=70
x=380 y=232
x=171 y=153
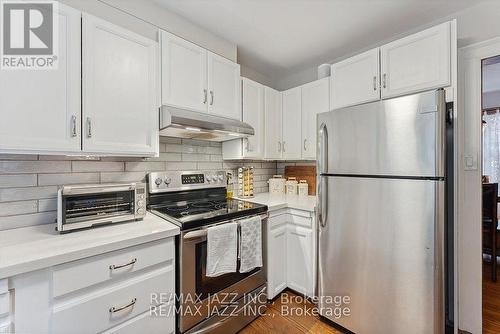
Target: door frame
x=469 y=171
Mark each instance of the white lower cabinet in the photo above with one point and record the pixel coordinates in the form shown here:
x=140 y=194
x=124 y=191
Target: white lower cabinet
x=299 y=266
x=6 y=315
x=276 y=253
x=291 y=254
x=112 y=293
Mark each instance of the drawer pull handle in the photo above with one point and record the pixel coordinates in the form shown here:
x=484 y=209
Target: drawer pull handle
x=134 y=260
x=118 y=309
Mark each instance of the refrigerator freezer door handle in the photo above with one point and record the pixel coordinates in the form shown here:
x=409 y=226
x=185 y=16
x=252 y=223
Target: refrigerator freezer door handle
x=323 y=181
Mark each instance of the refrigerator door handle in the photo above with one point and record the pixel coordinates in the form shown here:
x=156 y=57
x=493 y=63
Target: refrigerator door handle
x=323 y=168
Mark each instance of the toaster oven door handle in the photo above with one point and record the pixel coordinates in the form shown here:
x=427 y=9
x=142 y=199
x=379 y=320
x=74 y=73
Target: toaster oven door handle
x=95 y=190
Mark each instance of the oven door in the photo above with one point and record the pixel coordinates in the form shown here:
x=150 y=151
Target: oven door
x=202 y=296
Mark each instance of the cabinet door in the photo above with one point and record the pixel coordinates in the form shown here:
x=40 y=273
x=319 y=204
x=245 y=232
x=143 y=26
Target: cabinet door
x=273 y=123
x=276 y=258
x=315 y=100
x=183 y=73
x=253 y=114
x=292 y=140
x=120 y=108
x=40 y=109
x=355 y=80
x=300 y=260
x=224 y=87
x=416 y=63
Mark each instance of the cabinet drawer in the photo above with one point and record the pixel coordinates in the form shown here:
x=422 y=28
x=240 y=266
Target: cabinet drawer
x=4 y=304
x=276 y=221
x=147 y=323
x=94 y=309
x=79 y=274
x=301 y=221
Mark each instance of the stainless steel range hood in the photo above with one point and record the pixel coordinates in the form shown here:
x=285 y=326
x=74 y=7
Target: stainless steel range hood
x=182 y=123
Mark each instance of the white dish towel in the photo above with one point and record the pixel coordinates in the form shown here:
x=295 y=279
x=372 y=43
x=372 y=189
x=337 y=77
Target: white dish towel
x=222 y=248
x=250 y=244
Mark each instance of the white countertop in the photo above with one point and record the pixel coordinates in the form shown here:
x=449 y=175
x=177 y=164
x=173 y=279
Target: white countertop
x=36 y=247
x=282 y=201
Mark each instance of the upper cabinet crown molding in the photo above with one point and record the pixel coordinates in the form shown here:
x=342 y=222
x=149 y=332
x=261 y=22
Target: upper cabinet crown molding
x=196 y=79
x=421 y=61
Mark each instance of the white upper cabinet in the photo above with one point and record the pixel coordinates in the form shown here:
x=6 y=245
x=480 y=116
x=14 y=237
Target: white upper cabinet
x=292 y=112
x=224 y=91
x=40 y=109
x=120 y=109
x=355 y=80
x=273 y=123
x=417 y=62
x=315 y=100
x=253 y=114
x=184 y=73
x=196 y=79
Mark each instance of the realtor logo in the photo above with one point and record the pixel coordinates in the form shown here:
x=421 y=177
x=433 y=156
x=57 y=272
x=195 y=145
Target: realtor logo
x=29 y=35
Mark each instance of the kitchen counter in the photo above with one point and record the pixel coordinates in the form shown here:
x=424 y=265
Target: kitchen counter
x=279 y=201
x=36 y=247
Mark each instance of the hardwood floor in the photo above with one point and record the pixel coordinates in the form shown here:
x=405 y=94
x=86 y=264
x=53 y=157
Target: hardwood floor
x=276 y=319
x=491 y=302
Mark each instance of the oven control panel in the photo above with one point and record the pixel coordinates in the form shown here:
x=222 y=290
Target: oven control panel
x=185 y=180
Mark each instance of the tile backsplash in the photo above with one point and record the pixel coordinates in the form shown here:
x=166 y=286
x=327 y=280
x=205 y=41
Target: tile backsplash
x=29 y=183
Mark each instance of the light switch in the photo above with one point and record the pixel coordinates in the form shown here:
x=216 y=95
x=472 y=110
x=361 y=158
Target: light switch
x=470 y=162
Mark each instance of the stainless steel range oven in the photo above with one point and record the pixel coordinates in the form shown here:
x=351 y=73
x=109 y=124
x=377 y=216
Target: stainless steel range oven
x=222 y=304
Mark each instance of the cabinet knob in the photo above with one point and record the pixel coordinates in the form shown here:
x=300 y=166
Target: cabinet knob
x=305 y=144
x=384 y=80
x=375 y=83
x=204 y=96
x=211 y=97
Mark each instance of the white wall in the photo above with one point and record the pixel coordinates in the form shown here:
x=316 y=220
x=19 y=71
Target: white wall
x=145 y=17
x=474 y=24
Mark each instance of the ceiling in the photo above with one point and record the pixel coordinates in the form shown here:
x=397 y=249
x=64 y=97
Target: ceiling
x=280 y=37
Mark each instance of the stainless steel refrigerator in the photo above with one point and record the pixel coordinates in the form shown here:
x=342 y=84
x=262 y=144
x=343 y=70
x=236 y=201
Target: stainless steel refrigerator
x=381 y=214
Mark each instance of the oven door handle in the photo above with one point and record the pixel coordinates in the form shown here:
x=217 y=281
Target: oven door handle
x=203 y=232
x=195 y=234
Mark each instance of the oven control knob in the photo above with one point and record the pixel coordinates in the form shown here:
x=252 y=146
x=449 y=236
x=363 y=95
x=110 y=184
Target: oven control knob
x=168 y=180
x=209 y=178
x=221 y=177
x=158 y=181
x=140 y=203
